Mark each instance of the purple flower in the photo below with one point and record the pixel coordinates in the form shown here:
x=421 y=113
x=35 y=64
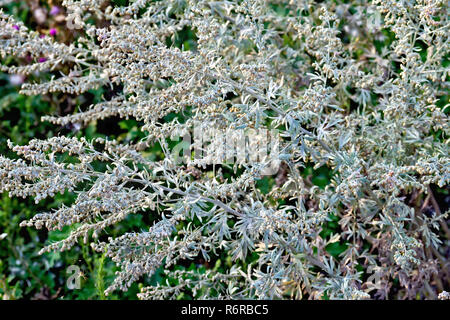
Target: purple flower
x=42 y=60
x=53 y=32
x=42 y=36
x=55 y=10
x=16 y=27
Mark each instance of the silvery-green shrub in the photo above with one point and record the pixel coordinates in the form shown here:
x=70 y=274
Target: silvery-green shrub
x=357 y=87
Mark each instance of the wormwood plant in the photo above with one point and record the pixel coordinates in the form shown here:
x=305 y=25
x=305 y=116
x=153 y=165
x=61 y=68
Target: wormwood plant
x=356 y=87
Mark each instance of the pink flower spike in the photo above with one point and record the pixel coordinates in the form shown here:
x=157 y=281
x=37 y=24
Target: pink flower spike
x=53 y=32
x=16 y=27
x=42 y=60
x=55 y=10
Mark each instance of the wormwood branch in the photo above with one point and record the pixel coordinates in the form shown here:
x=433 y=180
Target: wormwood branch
x=187 y=195
x=88 y=174
x=438 y=211
x=277 y=110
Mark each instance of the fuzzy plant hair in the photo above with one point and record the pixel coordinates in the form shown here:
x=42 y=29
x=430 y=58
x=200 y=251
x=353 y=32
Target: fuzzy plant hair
x=356 y=87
